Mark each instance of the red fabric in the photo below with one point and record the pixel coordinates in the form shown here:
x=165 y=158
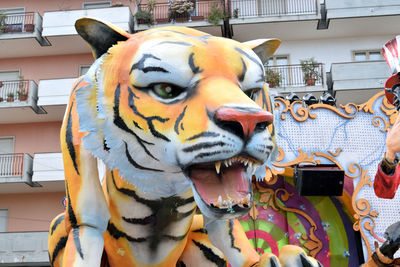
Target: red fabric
x=385 y=186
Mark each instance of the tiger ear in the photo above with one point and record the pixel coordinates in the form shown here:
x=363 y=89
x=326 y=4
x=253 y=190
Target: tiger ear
x=99 y=35
x=264 y=48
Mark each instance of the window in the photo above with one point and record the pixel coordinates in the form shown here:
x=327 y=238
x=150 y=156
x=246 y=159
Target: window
x=100 y=4
x=3 y=220
x=278 y=71
x=367 y=55
x=6 y=160
x=278 y=61
x=83 y=70
x=9 y=75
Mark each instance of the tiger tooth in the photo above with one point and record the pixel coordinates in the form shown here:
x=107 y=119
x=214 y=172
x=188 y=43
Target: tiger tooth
x=219 y=200
x=217 y=166
x=226 y=163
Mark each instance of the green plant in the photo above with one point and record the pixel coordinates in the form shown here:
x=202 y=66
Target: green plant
x=274 y=78
x=181 y=7
x=310 y=68
x=10 y=95
x=151 y=4
x=144 y=17
x=236 y=13
x=2 y=21
x=216 y=14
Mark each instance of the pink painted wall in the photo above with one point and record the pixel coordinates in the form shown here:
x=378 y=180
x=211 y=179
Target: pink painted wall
x=42 y=6
x=31 y=138
x=31 y=212
x=47 y=67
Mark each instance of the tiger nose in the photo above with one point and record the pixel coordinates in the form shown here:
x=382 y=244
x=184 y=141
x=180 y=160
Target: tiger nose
x=243 y=122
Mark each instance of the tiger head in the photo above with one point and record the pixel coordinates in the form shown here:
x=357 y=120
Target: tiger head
x=173 y=108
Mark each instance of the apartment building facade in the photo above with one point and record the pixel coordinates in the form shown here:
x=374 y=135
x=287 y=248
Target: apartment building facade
x=41 y=55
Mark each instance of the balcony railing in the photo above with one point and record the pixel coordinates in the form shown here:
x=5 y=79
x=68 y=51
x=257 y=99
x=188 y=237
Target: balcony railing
x=293 y=76
x=260 y=8
x=161 y=12
x=21 y=22
x=11 y=165
x=11 y=91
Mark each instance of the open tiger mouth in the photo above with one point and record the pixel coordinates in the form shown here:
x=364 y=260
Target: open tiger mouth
x=224 y=185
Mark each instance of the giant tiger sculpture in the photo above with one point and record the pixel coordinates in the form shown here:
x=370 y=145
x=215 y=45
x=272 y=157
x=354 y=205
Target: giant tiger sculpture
x=172 y=114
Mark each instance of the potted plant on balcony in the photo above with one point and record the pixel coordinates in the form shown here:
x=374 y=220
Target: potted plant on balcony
x=310 y=68
x=236 y=13
x=274 y=78
x=10 y=97
x=22 y=95
x=180 y=10
x=216 y=14
x=2 y=22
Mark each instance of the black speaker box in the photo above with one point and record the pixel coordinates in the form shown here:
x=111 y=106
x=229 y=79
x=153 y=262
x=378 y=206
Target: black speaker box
x=310 y=181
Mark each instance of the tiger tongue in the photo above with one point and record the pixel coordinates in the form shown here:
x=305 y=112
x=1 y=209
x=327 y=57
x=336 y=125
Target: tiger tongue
x=230 y=184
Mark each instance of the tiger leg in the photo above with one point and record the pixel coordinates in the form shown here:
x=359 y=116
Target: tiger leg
x=57 y=240
x=87 y=213
x=198 y=250
x=230 y=238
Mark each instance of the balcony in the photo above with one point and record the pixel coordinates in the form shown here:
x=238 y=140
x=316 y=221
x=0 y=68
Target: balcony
x=59 y=23
x=19 y=27
x=48 y=167
x=240 y=9
x=357 y=81
x=349 y=9
x=24 y=248
x=19 y=94
x=59 y=26
x=16 y=168
x=55 y=91
x=161 y=14
x=290 y=78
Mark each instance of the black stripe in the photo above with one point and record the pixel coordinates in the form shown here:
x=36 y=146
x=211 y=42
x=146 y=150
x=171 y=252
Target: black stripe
x=76 y=85
x=152 y=204
x=60 y=245
x=142 y=221
x=231 y=236
x=195 y=69
x=209 y=254
x=250 y=57
x=56 y=223
x=119 y=122
x=116 y=233
x=304 y=261
x=203 y=146
x=208 y=154
x=77 y=241
x=135 y=164
x=69 y=140
x=273 y=262
x=71 y=214
x=201 y=230
x=241 y=77
x=149 y=120
x=203 y=134
x=174 y=43
x=178 y=120
x=105 y=147
x=140 y=64
x=154 y=69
